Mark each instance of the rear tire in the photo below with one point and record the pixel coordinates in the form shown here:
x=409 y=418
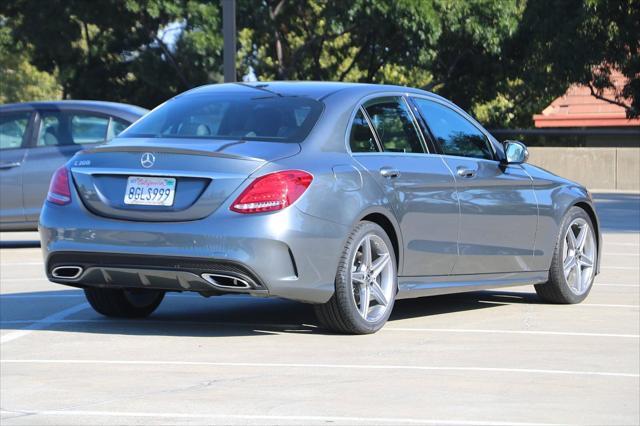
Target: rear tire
x=124 y=303
x=366 y=283
x=573 y=251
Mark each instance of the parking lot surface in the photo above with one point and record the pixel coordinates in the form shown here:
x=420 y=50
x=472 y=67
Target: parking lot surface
x=488 y=357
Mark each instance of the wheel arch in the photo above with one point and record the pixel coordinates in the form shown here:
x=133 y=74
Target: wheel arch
x=590 y=210
x=390 y=226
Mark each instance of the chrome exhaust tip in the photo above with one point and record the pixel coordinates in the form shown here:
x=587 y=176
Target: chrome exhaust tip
x=66 y=272
x=226 y=281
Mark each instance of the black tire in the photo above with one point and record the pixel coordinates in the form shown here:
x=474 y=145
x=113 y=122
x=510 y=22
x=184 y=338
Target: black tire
x=123 y=303
x=340 y=313
x=557 y=290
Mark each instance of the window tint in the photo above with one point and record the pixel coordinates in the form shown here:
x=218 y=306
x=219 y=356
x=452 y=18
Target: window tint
x=88 y=128
x=12 y=129
x=58 y=128
x=117 y=126
x=362 y=139
x=237 y=115
x=392 y=120
x=455 y=134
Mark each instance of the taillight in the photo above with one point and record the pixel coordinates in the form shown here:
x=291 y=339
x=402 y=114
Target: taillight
x=59 y=191
x=271 y=192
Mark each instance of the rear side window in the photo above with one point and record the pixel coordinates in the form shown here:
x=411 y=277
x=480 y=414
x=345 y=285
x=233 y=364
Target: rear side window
x=66 y=128
x=455 y=134
x=239 y=116
x=13 y=127
x=362 y=138
x=394 y=124
x=88 y=128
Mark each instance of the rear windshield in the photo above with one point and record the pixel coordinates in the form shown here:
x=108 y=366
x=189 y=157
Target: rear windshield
x=230 y=116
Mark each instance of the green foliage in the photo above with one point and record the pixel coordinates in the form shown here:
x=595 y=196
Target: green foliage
x=20 y=81
x=504 y=60
x=115 y=50
x=560 y=42
x=454 y=48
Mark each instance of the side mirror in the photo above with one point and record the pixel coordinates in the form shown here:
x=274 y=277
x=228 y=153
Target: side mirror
x=516 y=152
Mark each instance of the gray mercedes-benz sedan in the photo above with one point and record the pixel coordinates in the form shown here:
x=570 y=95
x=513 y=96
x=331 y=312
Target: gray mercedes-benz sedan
x=345 y=196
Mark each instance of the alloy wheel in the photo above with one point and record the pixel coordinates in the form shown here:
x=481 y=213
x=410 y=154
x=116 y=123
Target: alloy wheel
x=372 y=276
x=579 y=256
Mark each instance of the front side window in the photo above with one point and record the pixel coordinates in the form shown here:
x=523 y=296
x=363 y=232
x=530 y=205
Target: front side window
x=239 y=116
x=13 y=127
x=362 y=138
x=394 y=124
x=61 y=128
x=455 y=134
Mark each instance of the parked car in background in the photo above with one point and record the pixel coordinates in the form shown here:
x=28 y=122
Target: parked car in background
x=38 y=137
x=346 y=196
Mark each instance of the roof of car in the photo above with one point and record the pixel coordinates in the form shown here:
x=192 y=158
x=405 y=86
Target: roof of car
x=118 y=109
x=313 y=89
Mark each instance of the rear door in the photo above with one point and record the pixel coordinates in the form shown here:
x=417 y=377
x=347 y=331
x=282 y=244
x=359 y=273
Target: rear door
x=386 y=140
x=15 y=131
x=499 y=211
x=59 y=135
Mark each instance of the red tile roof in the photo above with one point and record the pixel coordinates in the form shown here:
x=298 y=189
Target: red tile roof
x=578 y=108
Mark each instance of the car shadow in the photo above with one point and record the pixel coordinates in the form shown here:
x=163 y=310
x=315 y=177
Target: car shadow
x=193 y=316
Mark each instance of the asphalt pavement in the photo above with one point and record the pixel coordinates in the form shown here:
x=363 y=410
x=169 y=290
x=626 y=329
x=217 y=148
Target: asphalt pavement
x=487 y=357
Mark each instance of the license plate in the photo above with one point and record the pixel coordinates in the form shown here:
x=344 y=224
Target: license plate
x=150 y=191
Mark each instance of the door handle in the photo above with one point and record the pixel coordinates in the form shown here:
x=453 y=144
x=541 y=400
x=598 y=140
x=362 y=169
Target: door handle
x=389 y=172
x=466 y=173
x=10 y=165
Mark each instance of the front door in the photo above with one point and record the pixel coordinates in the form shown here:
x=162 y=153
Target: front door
x=385 y=139
x=498 y=207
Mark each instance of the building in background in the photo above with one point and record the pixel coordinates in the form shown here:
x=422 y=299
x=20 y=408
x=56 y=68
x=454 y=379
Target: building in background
x=588 y=120
x=585 y=139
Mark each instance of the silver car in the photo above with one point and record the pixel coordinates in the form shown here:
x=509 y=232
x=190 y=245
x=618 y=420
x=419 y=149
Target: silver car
x=38 y=137
x=344 y=196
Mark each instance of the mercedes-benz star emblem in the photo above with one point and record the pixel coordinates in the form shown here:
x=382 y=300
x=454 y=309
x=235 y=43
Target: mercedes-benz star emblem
x=147 y=160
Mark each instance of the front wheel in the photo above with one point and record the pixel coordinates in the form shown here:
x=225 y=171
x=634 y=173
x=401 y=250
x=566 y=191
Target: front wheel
x=574 y=261
x=366 y=283
x=123 y=303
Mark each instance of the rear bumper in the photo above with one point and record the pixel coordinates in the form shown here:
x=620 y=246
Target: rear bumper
x=287 y=254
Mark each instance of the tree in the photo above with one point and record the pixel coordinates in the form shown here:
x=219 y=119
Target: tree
x=115 y=50
x=362 y=40
x=453 y=48
x=582 y=42
x=20 y=81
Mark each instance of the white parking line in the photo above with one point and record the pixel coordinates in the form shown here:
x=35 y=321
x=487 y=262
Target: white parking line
x=20 y=263
x=577 y=305
x=300 y=327
x=18 y=280
x=71 y=362
x=611 y=243
x=616 y=285
x=622 y=268
x=268 y=418
x=527 y=332
x=605 y=305
x=43 y=323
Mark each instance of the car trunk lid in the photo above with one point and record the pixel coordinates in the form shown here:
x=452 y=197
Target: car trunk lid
x=203 y=174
